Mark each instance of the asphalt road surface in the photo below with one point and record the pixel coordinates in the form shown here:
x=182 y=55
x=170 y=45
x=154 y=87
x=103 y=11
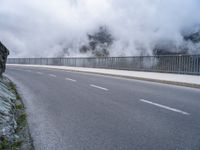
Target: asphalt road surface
x=79 y=111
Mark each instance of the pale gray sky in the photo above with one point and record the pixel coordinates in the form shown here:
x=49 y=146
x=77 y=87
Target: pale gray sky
x=41 y=28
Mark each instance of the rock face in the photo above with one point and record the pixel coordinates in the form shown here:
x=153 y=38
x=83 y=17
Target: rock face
x=7 y=100
x=4 y=52
x=7 y=104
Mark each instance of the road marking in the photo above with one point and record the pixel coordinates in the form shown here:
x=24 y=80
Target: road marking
x=52 y=75
x=165 y=107
x=69 y=79
x=39 y=73
x=98 y=87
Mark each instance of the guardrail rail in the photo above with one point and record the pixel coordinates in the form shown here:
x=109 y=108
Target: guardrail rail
x=180 y=64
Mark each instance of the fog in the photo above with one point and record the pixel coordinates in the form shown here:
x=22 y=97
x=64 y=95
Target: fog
x=49 y=28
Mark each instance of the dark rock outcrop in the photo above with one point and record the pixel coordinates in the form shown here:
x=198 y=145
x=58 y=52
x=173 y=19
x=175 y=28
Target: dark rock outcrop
x=4 y=52
x=99 y=43
x=191 y=39
x=194 y=37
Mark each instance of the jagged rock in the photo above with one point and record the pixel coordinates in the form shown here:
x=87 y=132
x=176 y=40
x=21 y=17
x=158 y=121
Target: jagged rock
x=7 y=101
x=7 y=104
x=4 y=52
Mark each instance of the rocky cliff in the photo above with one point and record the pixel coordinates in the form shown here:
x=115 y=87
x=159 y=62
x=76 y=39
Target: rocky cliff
x=4 y=52
x=14 y=132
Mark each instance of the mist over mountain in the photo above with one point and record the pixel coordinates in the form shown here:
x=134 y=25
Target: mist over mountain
x=49 y=28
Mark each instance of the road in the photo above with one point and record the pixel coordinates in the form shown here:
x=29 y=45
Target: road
x=79 y=111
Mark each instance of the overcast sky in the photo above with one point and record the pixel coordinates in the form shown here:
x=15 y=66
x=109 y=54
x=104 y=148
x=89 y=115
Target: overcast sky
x=43 y=28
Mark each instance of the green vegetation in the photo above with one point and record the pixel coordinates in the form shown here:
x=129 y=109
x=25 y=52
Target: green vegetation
x=5 y=145
x=21 y=121
x=19 y=106
x=14 y=89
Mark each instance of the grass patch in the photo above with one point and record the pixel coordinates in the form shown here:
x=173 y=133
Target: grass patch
x=18 y=97
x=19 y=106
x=21 y=119
x=5 y=145
x=21 y=122
x=13 y=87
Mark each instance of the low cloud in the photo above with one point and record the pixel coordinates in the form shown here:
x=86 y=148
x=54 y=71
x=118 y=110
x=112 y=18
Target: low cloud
x=47 y=28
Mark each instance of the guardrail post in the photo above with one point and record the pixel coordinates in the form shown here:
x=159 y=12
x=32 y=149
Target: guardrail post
x=179 y=64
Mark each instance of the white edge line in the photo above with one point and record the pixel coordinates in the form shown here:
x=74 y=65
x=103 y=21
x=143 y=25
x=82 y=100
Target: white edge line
x=52 y=75
x=98 y=87
x=69 y=79
x=165 y=107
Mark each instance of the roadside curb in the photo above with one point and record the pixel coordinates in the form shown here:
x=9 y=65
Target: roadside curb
x=135 y=78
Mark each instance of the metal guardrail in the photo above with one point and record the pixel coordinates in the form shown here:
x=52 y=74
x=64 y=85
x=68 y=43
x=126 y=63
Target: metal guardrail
x=180 y=64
